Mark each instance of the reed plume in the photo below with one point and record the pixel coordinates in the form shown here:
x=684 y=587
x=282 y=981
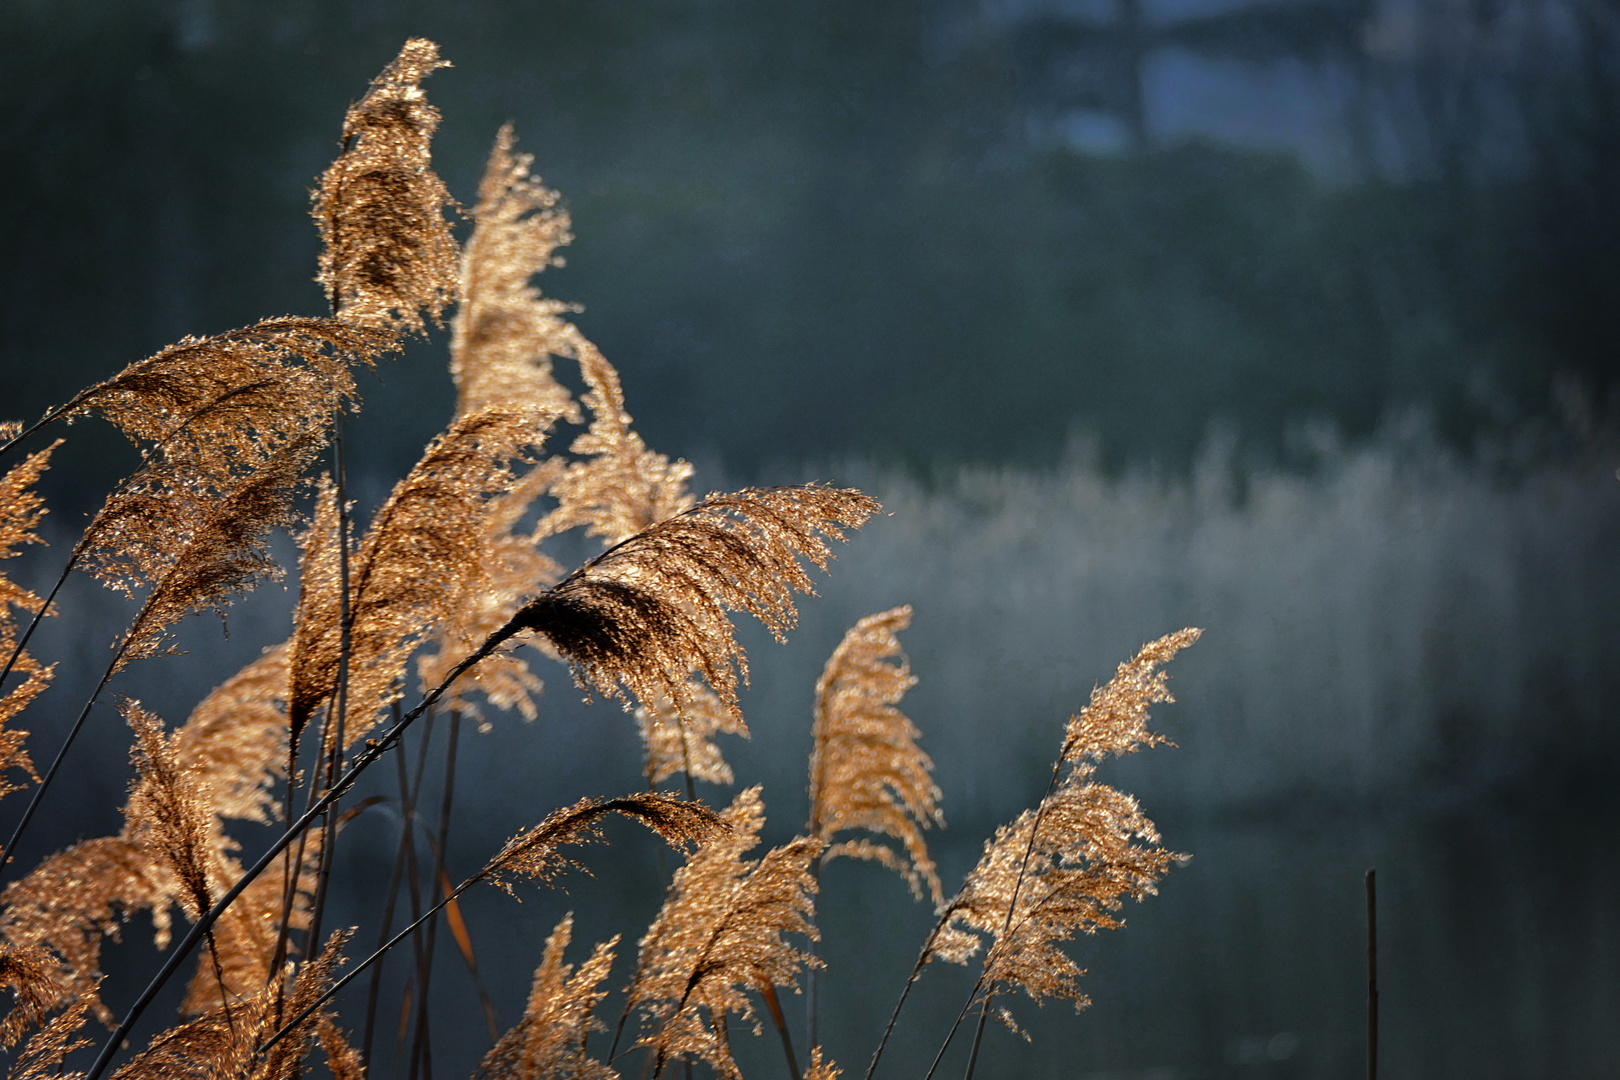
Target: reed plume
x=75 y=898
x=866 y=769
x=45 y=1054
x=821 y=1068
x=224 y=1042
x=549 y=1042
x=505 y=333
x=207 y=550
x=237 y=393
x=621 y=487
x=422 y=560
x=1066 y=866
x=21 y=510
x=32 y=976
x=680 y=739
x=719 y=935
x=638 y=618
x=533 y=852
x=388 y=255
x=233 y=741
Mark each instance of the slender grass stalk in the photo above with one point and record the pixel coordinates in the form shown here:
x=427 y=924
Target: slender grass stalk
x=1372 y=975
x=394 y=879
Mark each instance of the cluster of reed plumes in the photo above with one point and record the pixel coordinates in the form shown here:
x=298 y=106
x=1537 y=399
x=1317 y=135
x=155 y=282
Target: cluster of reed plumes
x=431 y=603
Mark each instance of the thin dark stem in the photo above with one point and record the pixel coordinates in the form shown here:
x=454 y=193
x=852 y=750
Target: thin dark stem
x=33 y=623
x=978 y=1037
x=951 y=1034
x=387 y=922
x=916 y=970
x=812 y=984
x=381 y=951
x=44 y=422
x=374 y=749
x=61 y=755
x=774 y=1007
x=1372 y=975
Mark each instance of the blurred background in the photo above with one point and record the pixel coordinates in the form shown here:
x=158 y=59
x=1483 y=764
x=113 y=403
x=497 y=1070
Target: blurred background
x=1297 y=321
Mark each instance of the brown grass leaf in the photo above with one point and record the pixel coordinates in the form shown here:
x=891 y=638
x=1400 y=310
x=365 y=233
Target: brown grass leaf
x=533 y=852
x=388 y=254
x=505 y=333
x=720 y=934
x=866 y=769
x=550 y=1039
x=637 y=619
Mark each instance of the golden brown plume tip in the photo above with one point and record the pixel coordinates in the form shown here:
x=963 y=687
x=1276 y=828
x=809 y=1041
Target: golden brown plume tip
x=637 y=619
x=719 y=937
x=1067 y=866
x=550 y=1039
x=389 y=255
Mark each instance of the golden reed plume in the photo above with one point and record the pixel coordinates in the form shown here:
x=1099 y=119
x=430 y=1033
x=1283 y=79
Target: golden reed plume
x=388 y=254
x=21 y=510
x=620 y=488
x=422 y=560
x=640 y=616
x=549 y=1042
x=505 y=333
x=719 y=935
x=866 y=770
x=533 y=853
x=680 y=739
x=1066 y=866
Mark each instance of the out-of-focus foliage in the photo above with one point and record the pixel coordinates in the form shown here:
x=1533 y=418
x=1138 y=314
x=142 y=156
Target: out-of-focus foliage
x=860 y=201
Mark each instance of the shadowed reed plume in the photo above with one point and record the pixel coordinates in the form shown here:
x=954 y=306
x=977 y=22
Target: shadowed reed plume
x=550 y=1039
x=388 y=255
x=638 y=617
x=720 y=936
x=866 y=770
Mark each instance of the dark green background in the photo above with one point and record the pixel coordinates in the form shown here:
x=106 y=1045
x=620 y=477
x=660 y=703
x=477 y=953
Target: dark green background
x=811 y=230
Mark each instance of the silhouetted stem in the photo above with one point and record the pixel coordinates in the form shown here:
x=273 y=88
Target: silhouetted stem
x=1372 y=975
x=394 y=878
x=978 y=1037
x=61 y=755
x=381 y=951
x=34 y=622
x=916 y=970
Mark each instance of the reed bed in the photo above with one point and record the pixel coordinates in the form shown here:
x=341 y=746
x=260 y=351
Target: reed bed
x=440 y=609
